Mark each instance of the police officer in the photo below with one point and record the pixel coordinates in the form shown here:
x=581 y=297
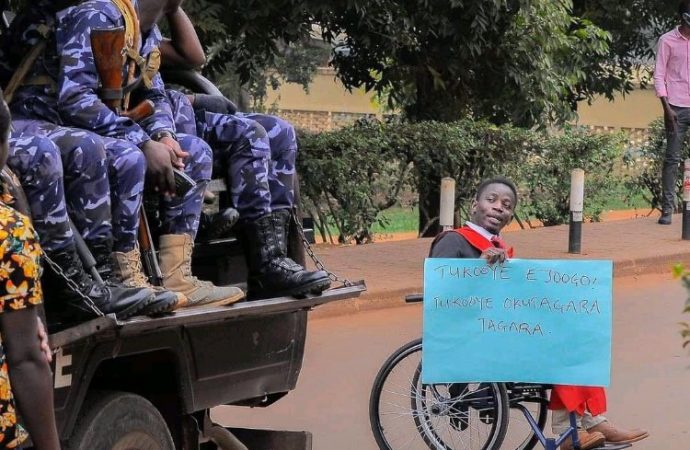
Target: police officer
x=132 y=148
x=257 y=153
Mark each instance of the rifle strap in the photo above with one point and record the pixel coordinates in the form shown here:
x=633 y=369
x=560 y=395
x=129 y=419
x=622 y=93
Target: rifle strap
x=147 y=68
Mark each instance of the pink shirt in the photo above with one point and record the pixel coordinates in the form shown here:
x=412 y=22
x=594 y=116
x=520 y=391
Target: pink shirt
x=672 y=71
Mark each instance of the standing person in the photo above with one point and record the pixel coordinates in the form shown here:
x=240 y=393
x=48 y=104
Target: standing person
x=492 y=209
x=672 y=85
x=24 y=357
x=256 y=153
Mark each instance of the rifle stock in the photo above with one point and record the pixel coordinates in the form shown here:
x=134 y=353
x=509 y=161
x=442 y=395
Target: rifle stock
x=107 y=46
x=144 y=109
x=148 y=252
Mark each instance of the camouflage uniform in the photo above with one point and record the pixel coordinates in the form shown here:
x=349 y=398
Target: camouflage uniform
x=256 y=153
x=72 y=101
x=36 y=162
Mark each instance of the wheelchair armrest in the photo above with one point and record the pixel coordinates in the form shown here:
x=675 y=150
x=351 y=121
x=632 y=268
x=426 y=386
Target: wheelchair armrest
x=191 y=79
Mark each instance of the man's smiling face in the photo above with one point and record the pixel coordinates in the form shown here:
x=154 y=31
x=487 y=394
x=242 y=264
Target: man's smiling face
x=494 y=207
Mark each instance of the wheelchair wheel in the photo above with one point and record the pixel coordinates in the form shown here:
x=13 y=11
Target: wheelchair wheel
x=406 y=414
x=519 y=435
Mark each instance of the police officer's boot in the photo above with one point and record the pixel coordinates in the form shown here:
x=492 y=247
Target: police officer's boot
x=102 y=250
x=77 y=297
x=128 y=269
x=271 y=272
x=176 y=265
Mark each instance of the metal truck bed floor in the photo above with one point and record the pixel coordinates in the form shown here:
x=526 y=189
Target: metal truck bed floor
x=199 y=315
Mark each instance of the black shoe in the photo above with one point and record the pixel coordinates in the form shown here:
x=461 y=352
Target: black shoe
x=218 y=225
x=163 y=302
x=77 y=297
x=271 y=272
x=459 y=413
x=666 y=218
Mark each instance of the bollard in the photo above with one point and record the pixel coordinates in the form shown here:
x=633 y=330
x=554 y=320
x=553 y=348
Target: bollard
x=686 y=200
x=447 y=209
x=577 y=194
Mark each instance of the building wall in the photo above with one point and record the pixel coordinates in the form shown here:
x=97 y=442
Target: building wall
x=328 y=105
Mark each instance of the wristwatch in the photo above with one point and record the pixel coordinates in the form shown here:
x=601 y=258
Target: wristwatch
x=158 y=135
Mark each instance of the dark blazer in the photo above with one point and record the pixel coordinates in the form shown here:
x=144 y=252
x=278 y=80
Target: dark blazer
x=451 y=244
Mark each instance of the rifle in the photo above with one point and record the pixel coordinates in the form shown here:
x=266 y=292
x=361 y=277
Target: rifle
x=148 y=252
x=107 y=46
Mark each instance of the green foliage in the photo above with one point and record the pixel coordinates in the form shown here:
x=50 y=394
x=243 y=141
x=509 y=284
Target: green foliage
x=516 y=61
x=523 y=61
x=546 y=177
x=645 y=165
x=252 y=46
x=684 y=275
x=349 y=176
x=634 y=26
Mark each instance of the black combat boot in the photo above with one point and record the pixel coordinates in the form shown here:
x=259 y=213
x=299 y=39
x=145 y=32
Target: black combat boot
x=271 y=272
x=76 y=297
x=102 y=251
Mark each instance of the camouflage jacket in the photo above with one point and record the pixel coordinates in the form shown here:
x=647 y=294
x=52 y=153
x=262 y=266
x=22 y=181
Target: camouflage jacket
x=73 y=100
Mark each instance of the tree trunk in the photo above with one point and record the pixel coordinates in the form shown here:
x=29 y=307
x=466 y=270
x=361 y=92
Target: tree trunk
x=429 y=209
x=431 y=104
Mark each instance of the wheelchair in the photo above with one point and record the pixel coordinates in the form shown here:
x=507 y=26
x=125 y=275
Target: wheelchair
x=405 y=413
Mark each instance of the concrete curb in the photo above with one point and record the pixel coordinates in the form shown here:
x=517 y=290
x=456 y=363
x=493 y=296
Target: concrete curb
x=372 y=300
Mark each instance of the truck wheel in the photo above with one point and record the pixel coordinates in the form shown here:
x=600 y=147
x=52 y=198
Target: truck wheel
x=120 y=421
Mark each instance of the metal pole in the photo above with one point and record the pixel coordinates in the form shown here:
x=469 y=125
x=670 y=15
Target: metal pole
x=447 y=208
x=577 y=194
x=686 y=200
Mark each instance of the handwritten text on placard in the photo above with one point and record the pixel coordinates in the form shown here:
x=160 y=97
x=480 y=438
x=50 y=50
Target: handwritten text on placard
x=545 y=321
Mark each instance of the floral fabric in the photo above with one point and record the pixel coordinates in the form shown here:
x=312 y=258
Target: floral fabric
x=19 y=288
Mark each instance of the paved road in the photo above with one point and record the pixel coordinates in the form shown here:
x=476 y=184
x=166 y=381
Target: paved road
x=651 y=372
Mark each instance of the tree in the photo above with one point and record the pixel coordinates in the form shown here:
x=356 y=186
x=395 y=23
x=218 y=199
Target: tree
x=518 y=61
x=528 y=62
x=252 y=45
x=634 y=26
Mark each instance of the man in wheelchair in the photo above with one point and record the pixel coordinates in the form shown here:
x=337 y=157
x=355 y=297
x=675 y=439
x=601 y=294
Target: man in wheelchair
x=492 y=209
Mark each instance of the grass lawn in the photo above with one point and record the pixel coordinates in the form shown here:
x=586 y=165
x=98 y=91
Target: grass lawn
x=400 y=220
x=407 y=219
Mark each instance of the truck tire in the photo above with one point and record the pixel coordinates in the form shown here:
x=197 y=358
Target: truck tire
x=119 y=421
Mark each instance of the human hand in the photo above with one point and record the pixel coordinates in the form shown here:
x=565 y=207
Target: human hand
x=178 y=155
x=43 y=339
x=159 y=166
x=214 y=103
x=670 y=119
x=494 y=255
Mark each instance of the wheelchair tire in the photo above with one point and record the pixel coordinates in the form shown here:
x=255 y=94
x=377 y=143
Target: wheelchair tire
x=404 y=413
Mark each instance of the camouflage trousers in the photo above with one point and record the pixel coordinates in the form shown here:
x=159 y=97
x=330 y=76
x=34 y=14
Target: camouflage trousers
x=255 y=153
x=127 y=169
x=122 y=168
x=62 y=170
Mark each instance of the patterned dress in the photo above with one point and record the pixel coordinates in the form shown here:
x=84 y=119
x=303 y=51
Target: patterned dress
x=19 y=288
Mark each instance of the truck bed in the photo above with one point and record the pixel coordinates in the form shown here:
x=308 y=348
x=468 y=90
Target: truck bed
x=200 y=315
x=247 y=354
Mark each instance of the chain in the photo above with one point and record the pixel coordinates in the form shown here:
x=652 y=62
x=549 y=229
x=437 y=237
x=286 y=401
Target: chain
x=74 y=287
x=317 y=262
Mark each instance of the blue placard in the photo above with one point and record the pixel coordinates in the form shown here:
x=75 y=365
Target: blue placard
x=541 y=321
